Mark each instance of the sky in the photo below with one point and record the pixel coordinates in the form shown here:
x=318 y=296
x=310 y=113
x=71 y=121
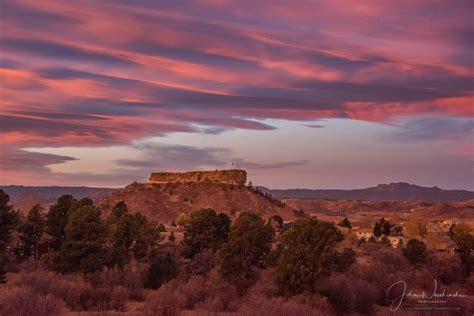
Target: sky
x=301 y=94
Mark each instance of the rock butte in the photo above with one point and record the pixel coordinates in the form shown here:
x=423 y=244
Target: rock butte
x=233 y=176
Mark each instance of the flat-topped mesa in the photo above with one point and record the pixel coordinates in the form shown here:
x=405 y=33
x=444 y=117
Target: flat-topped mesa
x=233 y=176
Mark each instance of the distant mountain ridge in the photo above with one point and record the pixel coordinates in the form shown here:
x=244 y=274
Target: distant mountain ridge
x=24 y=197
x=393 y=191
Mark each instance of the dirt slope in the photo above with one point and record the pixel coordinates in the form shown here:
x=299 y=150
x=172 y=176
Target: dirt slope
x=164 y=202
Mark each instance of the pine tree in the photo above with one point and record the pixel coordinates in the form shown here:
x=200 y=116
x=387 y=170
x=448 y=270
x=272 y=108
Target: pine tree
x=205 y=230
x=308 y=255
x=377 y=230
x=162 y=269
x=415 y=252
x=8 y=219
x=345 y=223
x=56 y=220
x=171 y=237
x=248 y=245
x=385 y=227
x=119 y=209
x=31 y=232
x=83 y=249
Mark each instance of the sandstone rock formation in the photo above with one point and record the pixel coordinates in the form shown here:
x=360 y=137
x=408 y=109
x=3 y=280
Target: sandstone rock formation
x=233 y=176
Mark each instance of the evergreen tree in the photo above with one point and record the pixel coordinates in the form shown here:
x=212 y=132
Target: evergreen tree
x=162 y=269
x=131 y=235
x=377 y=230
x=345 y=223
x=308 y=255
x=342 y=261
x=56 y=220
x=415 y=252
x=278 y=220
x=171 y=237
x=385 y=226
x=461 y=235
x=30 y=234
x=8 y=219
x=119 y=209
x=205 y=230
x=83 y=249
x=248 y=245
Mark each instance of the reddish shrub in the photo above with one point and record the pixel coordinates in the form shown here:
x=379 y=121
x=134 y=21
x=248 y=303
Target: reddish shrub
x=300 y=305
x=208 y=292
x=24 y=301
x=391 y=257
x=165 y=301
x=130 y=278
x=445 y=268
x=74 y=291
x=265 y=285
x=350 y=294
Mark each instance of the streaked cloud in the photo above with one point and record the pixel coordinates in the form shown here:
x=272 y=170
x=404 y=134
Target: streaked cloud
x=104 y=73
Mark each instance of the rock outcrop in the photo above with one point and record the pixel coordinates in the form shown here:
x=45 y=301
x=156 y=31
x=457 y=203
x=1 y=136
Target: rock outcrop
x=233 y=176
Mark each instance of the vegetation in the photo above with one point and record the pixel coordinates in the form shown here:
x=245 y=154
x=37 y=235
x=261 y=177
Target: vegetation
x=56 y=220
x=249 y=243
x=83 y=249
x=8 y=220
x=31 y=232
x=308 y=250
x=415 y=252
x=345 y=223
x=462 y=236
x=382 y=227
x=162 y=269
x=250 y=266
x=205 y=230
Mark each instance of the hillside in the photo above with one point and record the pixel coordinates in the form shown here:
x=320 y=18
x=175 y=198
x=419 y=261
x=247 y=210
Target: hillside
x=393 y=191
x=461 y=210
x=164 y=202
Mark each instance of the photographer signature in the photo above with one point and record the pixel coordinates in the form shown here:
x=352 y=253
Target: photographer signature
x=397 y=302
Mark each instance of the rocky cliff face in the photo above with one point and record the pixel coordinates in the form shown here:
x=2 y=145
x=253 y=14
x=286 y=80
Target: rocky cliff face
x=219 y=176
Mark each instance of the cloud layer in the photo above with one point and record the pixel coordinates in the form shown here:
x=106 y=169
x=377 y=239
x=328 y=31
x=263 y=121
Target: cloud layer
x=101 y=73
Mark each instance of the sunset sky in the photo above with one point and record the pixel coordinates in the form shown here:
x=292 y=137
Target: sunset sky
x=313 y=94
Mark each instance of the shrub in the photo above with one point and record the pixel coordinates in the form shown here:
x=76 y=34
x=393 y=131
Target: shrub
x=391 y=257
x=73 y=290
x=25 y=301
x=208 y=292
x=349 y=294
x=202 y=263
x=131 y=278
x=446 y=268
x=279 y=306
